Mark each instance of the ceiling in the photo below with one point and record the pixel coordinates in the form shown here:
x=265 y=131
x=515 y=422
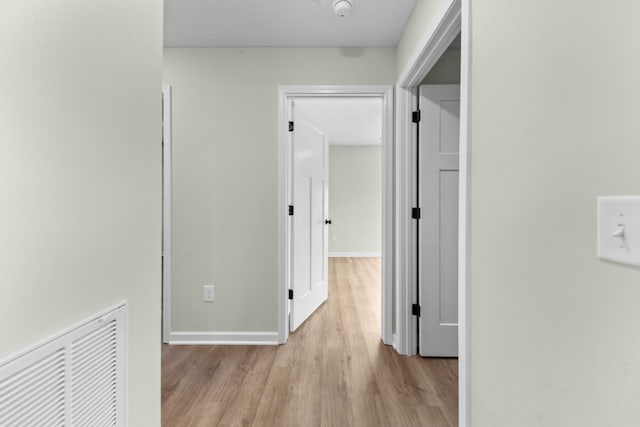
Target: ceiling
x=344 y=121
x=286 y=23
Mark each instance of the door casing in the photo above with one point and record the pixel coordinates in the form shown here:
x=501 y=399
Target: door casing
x=286 y=94
x=166 y=213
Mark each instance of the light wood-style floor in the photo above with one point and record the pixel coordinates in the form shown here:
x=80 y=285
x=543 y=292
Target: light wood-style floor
x=334 y=371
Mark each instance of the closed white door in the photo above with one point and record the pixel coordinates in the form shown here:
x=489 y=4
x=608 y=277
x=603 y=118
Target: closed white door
x=310 y=208
x=439 y=141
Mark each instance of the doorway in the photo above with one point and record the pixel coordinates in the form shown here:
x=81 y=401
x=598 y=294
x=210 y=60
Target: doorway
x=288 y=96
x=451 y=20
x=336 y=192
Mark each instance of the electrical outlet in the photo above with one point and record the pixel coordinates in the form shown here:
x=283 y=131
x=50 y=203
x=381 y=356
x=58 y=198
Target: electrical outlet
x=208 y=293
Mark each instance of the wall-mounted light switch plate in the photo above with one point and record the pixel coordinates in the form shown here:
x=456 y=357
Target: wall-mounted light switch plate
x=208 y=293
x=619 y=229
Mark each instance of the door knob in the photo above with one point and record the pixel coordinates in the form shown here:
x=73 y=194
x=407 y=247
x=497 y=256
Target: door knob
x=327 y=221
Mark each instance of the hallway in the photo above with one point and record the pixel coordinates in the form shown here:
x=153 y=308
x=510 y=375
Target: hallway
x=334 y=371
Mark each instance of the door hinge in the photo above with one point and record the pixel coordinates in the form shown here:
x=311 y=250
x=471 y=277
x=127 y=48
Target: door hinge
x=415 y=116
x=290 y=126
x=415 y=213
x=290 y=209
x=415 y=310
x=290 y=293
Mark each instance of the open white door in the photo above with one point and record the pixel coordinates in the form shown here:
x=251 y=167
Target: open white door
x=439 y=139
x=310 y=209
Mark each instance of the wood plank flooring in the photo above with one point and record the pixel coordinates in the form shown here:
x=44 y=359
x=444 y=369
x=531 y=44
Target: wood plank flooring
x=334 y=371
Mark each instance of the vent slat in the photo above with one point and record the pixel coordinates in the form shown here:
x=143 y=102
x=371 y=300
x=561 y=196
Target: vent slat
x=96 y=331
x=50 y=412
x=90 y=368
x=38 y=406
x=29 y=372
x=35 y=377
x=107 y=419
x=98 y=334
x=47 y=416
x=35 y=393
x=80 y=364
x=83 y=386
x=94 y=361
x=84 y=349
x=103 y=356
x=98 y=394
x=29 y=403
x=93 y=411
x=21 y=392
x=93 y=355
x=100 y=355
x=94 y=382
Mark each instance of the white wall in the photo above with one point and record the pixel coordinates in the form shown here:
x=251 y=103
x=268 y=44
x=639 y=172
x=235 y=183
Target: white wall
x=554 y=125
x=446 y=71
x=80 y=176
x=224 y=184
x=355 y=199
x=422 y=15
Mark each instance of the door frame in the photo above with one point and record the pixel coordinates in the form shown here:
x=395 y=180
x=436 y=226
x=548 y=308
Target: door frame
x=166 y=213
x=290 y=93
x=453 y=18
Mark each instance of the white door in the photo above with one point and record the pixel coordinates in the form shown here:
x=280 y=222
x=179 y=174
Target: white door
x=310 y=208
x=439 y=141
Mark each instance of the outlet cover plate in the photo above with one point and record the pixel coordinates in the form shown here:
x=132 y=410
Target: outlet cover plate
x=209 y=295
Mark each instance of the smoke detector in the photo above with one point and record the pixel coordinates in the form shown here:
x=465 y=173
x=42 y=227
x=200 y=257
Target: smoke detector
x=342 y=8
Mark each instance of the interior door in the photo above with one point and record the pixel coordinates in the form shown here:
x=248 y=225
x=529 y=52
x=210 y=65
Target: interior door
x=310 y=237
x=439 y=141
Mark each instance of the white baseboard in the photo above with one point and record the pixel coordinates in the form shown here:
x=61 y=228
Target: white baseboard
x=395 y=342
x=223 y=338
x=355 y=254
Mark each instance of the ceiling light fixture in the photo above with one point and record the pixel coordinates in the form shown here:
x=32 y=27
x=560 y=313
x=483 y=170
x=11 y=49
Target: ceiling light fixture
x=342 y=7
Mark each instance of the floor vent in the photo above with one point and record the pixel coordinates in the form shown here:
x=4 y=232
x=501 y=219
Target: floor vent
x=76 y=378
